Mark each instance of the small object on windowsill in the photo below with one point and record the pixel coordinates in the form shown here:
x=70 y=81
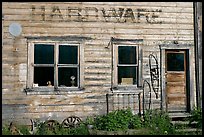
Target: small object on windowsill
x=127 y=81
x=175 y=42
x=72 y=82
x=49 y=84
x=35 y=84
x=62 y=86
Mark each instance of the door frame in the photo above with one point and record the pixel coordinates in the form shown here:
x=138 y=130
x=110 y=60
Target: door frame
x=191 y=73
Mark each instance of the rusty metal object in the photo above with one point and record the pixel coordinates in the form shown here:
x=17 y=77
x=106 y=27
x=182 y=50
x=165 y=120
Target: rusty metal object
x=122 y=101
x=14 y=129
x=146 y=100
x=71 y=122
x=154 y=73
x=52 y=125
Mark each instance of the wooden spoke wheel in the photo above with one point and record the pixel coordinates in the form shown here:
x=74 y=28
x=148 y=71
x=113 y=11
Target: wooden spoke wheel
x=71 y=122
x=52 y=125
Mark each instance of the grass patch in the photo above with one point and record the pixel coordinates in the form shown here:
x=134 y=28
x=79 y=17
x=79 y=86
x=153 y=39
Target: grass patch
x=120 y=122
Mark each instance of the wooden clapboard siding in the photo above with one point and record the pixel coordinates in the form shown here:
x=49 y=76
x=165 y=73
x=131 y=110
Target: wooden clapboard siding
x=176 y=24
x=107 y=26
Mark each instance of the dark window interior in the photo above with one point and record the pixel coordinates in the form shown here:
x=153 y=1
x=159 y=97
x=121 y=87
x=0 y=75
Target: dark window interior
x=127 y=54
x=126 y=72
x=44 y=54
x=43 y=74
x=64 y=77
x=175 y=61
x=127 y=57
x=68 y=54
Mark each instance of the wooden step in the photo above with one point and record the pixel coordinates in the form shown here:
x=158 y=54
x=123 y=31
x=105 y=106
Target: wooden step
x=179 y=115
x=189 y=130
x=184 y=123
x=180 y=122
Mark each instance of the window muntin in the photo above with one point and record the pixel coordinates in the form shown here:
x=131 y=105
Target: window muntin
x=57 y=64
x=127 y=66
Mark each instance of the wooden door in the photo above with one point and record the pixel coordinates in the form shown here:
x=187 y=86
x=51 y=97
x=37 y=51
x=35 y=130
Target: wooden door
x=176 y=93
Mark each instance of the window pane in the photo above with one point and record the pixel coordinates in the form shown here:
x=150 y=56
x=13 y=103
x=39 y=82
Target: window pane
x=127 y=54
x=175 y=62
x=42 y=75
x=64 y=77
x=44 y=54
x=68 y=54
x=127 y=75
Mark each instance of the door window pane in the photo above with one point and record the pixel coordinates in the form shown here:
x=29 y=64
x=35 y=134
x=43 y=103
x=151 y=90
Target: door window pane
x=42 y=75
x=68 y=54
x=44 y=54
x=175 y=62
x=127 y=54
x=127 y=75
x=65 y=75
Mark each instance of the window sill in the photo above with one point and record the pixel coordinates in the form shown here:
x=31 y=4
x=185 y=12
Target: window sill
x=127 y=89
x=52 y=91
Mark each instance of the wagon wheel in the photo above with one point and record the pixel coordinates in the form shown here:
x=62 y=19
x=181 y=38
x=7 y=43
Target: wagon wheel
x=71 y=122
x=52 y=125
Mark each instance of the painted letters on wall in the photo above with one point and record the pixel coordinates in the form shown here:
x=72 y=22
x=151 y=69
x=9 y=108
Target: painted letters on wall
x=92 y=14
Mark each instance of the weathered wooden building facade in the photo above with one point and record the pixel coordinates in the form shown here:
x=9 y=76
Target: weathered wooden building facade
x=86 y=58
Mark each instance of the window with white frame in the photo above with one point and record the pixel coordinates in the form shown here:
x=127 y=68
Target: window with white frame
x=54 y=65
x=127 y=65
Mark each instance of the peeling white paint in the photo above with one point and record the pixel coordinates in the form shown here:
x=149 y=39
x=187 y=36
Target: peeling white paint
x=22 y=72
